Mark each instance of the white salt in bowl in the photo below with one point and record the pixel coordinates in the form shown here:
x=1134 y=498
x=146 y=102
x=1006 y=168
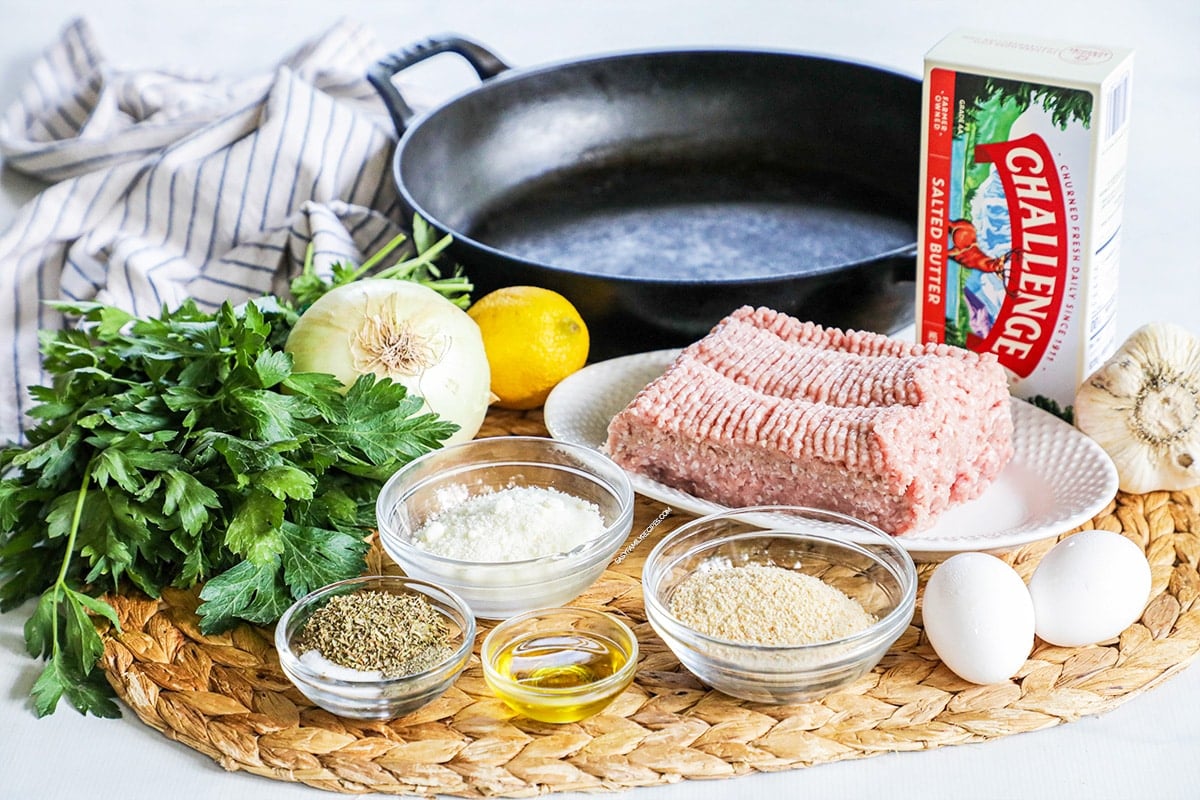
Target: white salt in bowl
x=434 y=483
x=355 y=695
x=858 y=559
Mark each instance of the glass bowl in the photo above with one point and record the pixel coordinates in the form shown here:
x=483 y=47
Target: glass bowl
x=370 y=697
x=436 y=481
x=853 y=556
x=559 y=664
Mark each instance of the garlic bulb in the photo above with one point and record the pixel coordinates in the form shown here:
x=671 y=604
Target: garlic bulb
x=1143 y=407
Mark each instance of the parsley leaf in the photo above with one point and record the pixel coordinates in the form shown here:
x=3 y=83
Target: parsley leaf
x=247 y=591
x=314 y=557
x=253 y=531
x=88 y=692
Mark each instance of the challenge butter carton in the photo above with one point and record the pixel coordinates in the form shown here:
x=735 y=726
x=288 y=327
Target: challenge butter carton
x=1022 y=186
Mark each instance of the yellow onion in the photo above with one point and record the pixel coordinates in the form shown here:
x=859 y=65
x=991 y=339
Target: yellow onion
x=404 y=331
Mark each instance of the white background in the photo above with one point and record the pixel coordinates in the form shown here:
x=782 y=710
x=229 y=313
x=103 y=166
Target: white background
x=1149 y=747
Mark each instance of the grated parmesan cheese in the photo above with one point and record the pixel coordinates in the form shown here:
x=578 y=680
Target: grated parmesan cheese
x=766 y=605
x=513 y=524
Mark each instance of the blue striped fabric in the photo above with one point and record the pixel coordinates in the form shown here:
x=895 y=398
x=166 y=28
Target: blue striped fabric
x=166 y=186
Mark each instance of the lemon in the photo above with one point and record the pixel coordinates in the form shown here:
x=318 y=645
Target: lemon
x=533 y=338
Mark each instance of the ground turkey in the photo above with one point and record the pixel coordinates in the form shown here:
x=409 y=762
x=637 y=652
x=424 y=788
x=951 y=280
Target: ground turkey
x=767 y=409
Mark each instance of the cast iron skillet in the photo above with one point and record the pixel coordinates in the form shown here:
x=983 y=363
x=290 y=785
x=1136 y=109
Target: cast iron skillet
x=660 y=190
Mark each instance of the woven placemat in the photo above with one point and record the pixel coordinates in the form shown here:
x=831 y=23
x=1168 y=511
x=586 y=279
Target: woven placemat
x=226 y=697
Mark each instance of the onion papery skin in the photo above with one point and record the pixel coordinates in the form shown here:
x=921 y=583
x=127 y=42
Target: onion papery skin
x=404 y=331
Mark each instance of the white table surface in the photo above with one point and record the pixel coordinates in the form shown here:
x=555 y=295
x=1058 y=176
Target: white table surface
x=1148 y=747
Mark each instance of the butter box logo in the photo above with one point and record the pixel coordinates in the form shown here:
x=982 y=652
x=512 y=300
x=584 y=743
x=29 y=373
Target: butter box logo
x=1036 y=261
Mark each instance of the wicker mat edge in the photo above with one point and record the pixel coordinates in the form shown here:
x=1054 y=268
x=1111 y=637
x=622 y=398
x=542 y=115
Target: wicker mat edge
x=226 y=697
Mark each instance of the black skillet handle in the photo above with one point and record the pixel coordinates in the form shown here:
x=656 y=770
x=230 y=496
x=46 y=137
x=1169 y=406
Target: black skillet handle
x=486 y=65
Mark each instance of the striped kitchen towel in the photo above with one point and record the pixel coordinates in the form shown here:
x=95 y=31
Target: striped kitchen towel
x=166 y=185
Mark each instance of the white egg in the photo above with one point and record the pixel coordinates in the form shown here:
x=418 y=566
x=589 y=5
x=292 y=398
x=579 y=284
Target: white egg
x=1088 y=588
x=978 y=617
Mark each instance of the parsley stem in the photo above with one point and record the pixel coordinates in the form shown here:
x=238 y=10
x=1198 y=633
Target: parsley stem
x=406 y=268
x=76 y=517
x=381 y=254
x=61 y=582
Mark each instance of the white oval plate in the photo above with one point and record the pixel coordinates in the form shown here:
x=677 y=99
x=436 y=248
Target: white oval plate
x=1058 y=477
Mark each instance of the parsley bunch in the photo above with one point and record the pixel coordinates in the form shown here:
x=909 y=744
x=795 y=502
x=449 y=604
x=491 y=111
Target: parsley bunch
x=184 y=449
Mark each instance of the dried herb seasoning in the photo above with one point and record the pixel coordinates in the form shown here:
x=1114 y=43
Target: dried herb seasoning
x=393 y=634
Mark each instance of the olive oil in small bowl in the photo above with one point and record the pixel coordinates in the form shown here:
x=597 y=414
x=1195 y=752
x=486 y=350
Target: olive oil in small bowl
x=560 y=664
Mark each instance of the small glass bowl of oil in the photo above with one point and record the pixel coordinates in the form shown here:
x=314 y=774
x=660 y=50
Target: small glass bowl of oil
x=559 y=664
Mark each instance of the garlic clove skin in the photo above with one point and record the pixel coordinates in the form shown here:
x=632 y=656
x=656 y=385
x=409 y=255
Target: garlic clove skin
x=1143 y=407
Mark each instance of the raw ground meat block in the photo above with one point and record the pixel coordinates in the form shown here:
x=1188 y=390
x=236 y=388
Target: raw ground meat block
x=768 y=409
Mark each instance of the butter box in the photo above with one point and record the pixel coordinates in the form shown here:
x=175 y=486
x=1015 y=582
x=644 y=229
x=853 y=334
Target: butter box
x=1023 y=153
